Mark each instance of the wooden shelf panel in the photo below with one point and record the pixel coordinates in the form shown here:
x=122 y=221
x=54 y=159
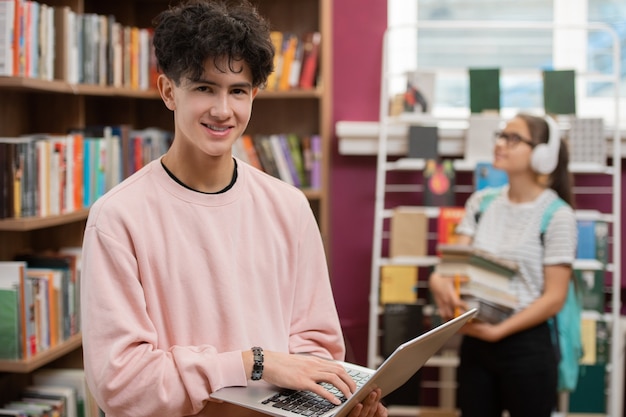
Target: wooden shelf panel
x=56 y=86
x=34 y=223
x=29 y=365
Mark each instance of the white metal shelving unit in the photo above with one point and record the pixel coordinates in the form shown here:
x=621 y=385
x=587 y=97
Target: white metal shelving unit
x=391 y=126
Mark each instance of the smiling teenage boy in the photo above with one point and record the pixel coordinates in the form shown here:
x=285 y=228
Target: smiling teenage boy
x=198 y=266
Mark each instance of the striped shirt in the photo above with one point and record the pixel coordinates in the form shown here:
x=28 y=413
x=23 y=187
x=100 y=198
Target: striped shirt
x=512 y=231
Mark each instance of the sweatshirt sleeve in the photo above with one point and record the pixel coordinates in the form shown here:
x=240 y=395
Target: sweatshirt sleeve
x=315 y=325
x=122 y=362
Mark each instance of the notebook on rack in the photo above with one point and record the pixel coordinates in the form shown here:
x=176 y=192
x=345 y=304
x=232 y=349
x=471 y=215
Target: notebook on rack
x=401 y=365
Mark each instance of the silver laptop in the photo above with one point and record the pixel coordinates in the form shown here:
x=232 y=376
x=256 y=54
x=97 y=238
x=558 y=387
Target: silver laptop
x=401 y=365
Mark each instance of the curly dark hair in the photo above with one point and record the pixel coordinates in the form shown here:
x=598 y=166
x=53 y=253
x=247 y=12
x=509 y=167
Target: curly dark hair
x=188 y=34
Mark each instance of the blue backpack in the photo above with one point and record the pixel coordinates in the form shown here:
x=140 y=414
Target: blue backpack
x=565 y=326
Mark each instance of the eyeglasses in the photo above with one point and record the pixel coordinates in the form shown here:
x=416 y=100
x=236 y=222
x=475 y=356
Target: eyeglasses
x=512 y=139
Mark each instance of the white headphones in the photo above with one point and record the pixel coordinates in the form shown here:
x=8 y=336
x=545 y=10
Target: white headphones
x=545 y=156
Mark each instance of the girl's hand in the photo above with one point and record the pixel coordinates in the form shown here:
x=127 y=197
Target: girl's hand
x=484 y=331
x=446 y=298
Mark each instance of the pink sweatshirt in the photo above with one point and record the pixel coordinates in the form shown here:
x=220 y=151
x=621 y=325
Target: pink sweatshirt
x=176 y=283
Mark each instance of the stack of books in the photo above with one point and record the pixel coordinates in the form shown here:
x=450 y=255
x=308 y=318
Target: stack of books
x=482 y=280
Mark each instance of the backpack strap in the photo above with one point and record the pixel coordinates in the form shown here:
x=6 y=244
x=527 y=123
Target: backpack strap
x=489 y=195
x=547 y=216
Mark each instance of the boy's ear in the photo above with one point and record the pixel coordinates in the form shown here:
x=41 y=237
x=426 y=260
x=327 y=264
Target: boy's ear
x=166 y=90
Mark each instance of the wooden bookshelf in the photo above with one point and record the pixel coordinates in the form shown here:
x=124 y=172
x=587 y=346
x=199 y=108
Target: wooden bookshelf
x=43 y=358
x=31 y=105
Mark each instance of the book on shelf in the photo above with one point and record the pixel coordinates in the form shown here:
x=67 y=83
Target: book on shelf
x=310 y=59
x=11 y=311
x=398 y=284
x=14 y=413
x=423 y=142
x=42 y=407
x=17 y=177
x=595 y=340
x=61 y=271
x=7 y=22
x=419 y=96
x=289 y=50
x=238 y=151
x=54 y=42
x=408 y=232
x=284 y=171
x=559 y=91
x=272 y=79
x=313 y=148
x=479 y=137
x=295 y=147
x=591 y=288
x=486 y=175
x=296 y=66
x=589 y=398
x=448 y=219
x=66 y=396
x=439 y=181
x=294 y=174
x=73 y=378
x=586 y=140
x=593 y=240
x=263 y=146
x=250 y=151
x=31 y=409
x=484 y=90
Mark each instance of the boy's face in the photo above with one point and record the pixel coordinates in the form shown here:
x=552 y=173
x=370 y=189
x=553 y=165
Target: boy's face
x=211 y=113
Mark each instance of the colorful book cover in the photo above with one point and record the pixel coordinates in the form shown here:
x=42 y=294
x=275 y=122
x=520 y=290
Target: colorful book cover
x=448 y=219
x=295 y=146
x=439 y=182
x=398 y=284
x=310 y=60
x=419 y=96
x=485 y=175
x=592 y=240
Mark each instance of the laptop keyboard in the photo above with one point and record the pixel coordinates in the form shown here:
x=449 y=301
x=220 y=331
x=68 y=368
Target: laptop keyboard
x=307 y=403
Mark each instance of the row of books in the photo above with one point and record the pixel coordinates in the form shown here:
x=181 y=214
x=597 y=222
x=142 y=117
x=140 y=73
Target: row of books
x=48 y=174
x=59 y=392
x=39 y=302
x=585 y=137
x=408 y=238
x=559 y=91
x=296 y=61
x=57 y=43
x=439 y=181
x=295 y=159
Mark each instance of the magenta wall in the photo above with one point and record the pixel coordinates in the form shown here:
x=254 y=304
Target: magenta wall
x=358 y=26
